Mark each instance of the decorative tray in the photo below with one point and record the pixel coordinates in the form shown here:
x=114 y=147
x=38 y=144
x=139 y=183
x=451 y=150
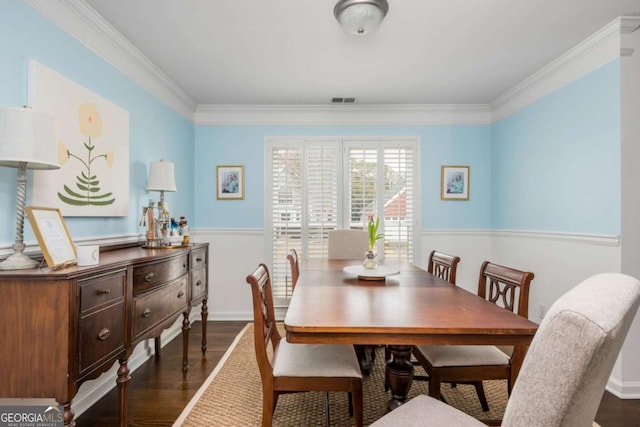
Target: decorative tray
x=379 y=273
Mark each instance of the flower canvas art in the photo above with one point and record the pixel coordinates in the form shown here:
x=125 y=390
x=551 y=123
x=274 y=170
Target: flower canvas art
x=93 y=148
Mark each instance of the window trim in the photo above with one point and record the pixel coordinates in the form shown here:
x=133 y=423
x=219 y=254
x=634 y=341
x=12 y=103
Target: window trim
x=344 y=144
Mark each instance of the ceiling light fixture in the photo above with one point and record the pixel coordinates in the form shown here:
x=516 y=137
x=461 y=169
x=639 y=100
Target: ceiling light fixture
x=360 y=16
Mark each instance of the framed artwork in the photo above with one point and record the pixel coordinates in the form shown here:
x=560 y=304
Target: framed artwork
x=93 y=148
x=53 y=236
x=230 y=182
x=455 y=183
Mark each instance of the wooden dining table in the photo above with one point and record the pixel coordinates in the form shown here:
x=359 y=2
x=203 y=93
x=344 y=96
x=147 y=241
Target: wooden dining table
x=410 y=308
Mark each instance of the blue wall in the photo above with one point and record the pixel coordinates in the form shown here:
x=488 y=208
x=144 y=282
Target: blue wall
x=552 y=166
x=156 y=131
x=441 y=145
x=556 y=163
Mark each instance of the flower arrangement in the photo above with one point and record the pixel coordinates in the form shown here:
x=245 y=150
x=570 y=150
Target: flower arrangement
x=372 y=227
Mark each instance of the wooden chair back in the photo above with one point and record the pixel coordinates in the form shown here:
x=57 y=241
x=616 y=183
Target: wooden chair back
x=294 y=267
x=348 y=244
x=505 y=286
x=264 y=321
x=443 y=265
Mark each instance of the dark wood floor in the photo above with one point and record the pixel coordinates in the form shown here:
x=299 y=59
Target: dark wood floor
x=158 y=392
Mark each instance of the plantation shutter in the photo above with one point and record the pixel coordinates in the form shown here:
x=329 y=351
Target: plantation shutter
x=381 y=178
x=286 y=214
x=306 y=198
x=304 y=204
x=322 y=192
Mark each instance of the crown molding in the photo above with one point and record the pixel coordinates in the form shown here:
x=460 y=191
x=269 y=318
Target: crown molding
x=593 y=52
x=346 y=115
x=88 y=27
x=628 y=24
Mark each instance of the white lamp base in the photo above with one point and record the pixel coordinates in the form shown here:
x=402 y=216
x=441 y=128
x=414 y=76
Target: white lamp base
x=18 y=261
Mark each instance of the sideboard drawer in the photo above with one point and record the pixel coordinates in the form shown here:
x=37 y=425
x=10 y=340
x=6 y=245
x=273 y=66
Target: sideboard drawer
x=151 y=308
x=198 y=258
x=198 y=284
x=101 y=290
x=102 y=336
x=146 y=276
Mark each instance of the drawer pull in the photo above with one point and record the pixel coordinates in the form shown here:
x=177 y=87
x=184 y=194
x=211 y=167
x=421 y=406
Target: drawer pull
x=198 y=259
x=149 y=277
x=104 y=334
x=146 y=312
x=184 y=265
x=199 y=282
x=104 y=291
x=180 y=294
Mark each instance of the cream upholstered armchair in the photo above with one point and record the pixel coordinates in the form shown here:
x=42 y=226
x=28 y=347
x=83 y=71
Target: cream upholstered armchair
x=567 y=367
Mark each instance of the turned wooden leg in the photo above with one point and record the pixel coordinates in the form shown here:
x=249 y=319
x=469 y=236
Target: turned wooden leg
x=399 y=371
x=185 y=342
x=123 y=387
x=69 y=415
x=158 y=345
x=205 y=315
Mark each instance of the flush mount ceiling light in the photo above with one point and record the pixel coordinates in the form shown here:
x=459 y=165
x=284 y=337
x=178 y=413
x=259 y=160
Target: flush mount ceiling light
x=360 y=16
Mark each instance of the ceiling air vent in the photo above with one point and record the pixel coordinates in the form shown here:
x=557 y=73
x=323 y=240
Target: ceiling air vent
x=343 y=100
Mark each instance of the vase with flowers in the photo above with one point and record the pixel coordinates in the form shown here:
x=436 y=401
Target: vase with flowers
x=370 y=262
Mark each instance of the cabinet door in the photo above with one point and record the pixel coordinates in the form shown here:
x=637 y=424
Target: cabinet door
x=198 y=285
x=101 y=338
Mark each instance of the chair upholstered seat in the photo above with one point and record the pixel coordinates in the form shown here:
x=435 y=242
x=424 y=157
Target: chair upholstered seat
x=315 y=360
x=423 y=410
x=464 y=355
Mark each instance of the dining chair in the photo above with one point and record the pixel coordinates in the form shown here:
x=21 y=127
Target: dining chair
x=566 y=369
x=353 y=244
x=298 y=367
x=294 y=267
x=443 y=265
x=470 y=364
x=348 y=244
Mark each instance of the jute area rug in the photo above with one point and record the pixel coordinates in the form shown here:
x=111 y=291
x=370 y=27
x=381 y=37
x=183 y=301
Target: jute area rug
x=232 y=396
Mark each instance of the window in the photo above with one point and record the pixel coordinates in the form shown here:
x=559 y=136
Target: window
x=308 y=198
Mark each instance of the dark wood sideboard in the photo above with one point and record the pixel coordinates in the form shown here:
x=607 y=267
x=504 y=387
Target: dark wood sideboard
x=61 y=328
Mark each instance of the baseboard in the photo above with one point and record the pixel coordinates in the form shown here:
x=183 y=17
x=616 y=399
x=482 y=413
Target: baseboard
x=625 y=390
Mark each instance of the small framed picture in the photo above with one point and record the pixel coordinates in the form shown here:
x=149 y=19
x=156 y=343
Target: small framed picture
x=230 y=182
x=455 y=183
x=53 y=236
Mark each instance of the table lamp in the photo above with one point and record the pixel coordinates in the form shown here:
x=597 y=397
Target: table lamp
x=27 y=141
x=160 y=179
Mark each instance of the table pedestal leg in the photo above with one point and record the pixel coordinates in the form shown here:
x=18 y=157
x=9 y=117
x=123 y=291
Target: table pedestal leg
x=399 y=371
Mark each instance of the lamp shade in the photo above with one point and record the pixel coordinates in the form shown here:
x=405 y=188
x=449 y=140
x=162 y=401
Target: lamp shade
x=27 y=137
x=360 y=16
x=161 y=177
